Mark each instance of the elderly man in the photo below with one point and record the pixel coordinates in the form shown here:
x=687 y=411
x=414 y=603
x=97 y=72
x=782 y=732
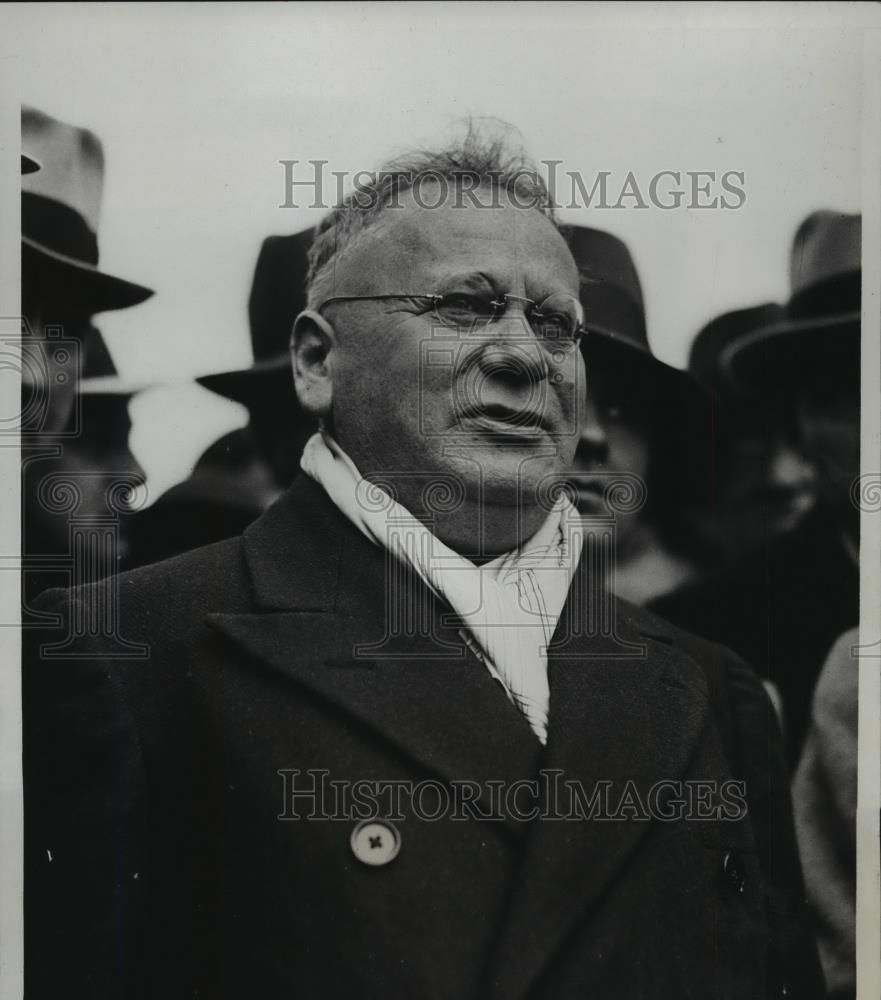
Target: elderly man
x=378 y=746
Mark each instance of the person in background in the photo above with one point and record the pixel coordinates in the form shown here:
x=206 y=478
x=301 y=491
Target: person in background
x=824 y=799
x=764 y=482
x=102 y=444
x=104 y=400
x=782 y=607
x=62 y=289
x=243 y=472
x=644 y=419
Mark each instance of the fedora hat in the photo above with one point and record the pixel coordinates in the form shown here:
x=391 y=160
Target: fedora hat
x=614 y=313
x=60 y=209
x=278 y=295
x=707 y=348
x=819 y=325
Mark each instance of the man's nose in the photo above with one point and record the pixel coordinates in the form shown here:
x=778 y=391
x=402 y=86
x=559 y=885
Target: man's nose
x=134 y=468
x=790 y=469
x=511 y=352
x=127 y=465
x=593 y=444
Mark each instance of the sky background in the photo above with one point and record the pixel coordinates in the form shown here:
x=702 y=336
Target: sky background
x=196 y=105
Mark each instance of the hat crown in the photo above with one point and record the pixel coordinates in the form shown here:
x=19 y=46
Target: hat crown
x=278 y=293
x=709 y=346
x=72 y=162
x=827 y=245
x=610 y=292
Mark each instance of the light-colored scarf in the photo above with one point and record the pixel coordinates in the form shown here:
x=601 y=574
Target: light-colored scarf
x=510 y=605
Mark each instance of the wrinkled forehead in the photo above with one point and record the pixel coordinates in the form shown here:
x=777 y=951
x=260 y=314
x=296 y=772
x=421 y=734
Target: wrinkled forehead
x=419 y=245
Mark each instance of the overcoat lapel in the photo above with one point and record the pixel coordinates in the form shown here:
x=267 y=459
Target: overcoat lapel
x=320 y=623
x=615 y=720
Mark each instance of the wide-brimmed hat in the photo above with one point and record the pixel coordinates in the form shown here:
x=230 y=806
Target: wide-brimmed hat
x=704 y=357
x=672 y=406
x=278 y=295
x=614 y=313
x=247 y=385
x=60 y=209
x=819 y=326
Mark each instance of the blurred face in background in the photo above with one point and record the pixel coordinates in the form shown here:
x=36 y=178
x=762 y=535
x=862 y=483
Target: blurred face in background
x=51 y=364
x=615 y=435
x=768 y=483
x=829 y=423
x=90 y=432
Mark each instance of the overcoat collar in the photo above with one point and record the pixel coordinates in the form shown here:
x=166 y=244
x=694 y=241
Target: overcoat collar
x=294 y=550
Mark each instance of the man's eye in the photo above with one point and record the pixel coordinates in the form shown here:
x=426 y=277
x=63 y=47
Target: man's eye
x=555 y=326
x=461 y=309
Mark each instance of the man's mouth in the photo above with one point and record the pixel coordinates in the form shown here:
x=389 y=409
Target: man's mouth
x=499 y=418
x=780 y=500
x=786 y=506
x=589 y=493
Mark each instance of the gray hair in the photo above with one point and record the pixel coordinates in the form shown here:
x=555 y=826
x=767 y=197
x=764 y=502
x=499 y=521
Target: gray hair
x=481 y=159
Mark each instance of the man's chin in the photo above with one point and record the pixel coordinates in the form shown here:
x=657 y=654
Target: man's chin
x=484 y=472
x=519 y=481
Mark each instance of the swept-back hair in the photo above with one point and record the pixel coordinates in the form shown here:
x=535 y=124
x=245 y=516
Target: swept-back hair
x=486 y=159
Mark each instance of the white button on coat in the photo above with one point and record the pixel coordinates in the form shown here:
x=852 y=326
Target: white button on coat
x=375 y=842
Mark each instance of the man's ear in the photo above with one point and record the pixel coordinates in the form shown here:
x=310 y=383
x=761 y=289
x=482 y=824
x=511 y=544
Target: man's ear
x=313 y=342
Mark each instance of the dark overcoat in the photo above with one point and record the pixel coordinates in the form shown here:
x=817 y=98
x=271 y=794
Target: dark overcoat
x=162 y=745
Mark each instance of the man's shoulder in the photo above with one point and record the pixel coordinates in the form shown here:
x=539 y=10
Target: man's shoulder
x=208 y=578
x=656 y=626
x=283 y=555
x=721 y=666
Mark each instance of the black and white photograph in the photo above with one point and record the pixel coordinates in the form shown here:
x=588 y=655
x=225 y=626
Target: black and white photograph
x=441 y=484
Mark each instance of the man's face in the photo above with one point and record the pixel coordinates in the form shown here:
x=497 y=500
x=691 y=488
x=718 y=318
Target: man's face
x=49 y=377
x=829 y=418
x=769 y=481
x=492 y=407
x=615 y=434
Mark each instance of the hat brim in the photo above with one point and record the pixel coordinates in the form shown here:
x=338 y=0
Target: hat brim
x=92 y=288
x=671 y=381
x=246 y=385
x=776 y=345
x=112 y=385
